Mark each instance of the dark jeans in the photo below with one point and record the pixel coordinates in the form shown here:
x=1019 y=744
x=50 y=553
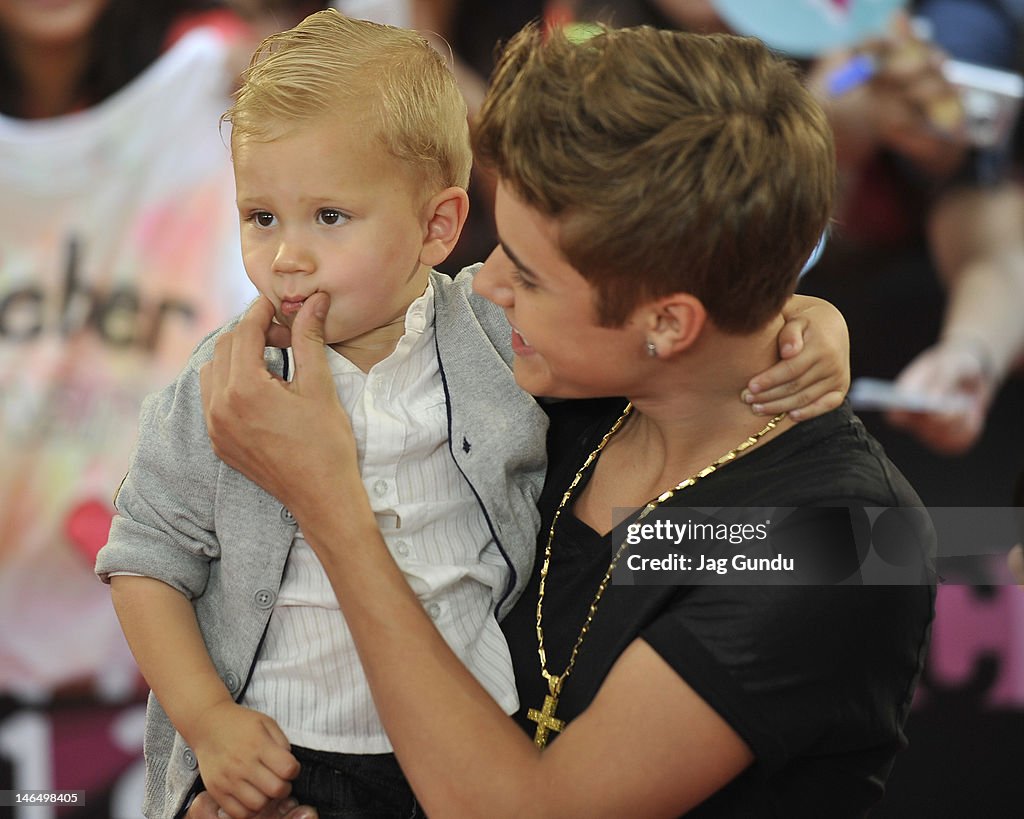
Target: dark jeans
x=354 y=786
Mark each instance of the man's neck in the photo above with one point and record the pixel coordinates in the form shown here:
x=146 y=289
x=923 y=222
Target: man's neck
x=693 y=414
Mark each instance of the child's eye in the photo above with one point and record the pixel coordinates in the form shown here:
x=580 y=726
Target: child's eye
x=262 y=218
x=331 y=216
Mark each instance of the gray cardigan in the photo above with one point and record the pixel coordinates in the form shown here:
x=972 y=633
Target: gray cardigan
x=188 y=519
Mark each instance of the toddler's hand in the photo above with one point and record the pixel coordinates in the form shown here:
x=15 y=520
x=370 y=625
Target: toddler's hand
x=244 y=758
x=814 y=372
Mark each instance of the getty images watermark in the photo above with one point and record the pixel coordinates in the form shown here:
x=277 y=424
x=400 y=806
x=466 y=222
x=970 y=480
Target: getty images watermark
x=835 y=545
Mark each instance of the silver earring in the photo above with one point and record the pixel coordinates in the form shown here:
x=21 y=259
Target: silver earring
x=652 y=351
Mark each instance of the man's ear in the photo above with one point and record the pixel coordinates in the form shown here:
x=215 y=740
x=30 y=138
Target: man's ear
x=674 y=323
x=446 y=214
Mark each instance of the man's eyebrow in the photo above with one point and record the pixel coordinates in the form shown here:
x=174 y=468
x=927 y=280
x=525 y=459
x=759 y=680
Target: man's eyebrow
x=515 y=259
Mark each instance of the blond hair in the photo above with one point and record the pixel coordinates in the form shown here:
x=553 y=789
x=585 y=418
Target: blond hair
x=673 y=162
x=332 y=65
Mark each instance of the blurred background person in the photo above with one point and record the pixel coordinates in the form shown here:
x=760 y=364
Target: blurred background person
x=938 y=207
x=976 y=240
x=118 y=251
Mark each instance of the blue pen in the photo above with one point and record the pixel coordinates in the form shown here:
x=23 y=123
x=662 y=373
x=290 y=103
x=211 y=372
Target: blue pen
x=856 y=71
x=862 y=67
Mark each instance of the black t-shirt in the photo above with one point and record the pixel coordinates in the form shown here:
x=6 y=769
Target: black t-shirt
x=816 y=679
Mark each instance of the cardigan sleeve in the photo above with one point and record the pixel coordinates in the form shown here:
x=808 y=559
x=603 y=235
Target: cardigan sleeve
x=164 y=525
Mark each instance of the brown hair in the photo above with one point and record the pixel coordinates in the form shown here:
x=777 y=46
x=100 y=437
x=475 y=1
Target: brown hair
x=334 y=65
x=673 y=162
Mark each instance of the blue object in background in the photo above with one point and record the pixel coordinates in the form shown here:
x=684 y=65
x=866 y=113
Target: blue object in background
x=857 y=70
x=806 y=28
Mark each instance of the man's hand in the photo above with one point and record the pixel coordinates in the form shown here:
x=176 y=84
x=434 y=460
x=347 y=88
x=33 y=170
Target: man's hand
x=205 y=807
x=244 y=758
x=268 y=429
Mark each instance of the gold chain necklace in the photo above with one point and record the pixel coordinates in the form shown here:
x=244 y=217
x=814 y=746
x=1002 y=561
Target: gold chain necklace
x=545 y=717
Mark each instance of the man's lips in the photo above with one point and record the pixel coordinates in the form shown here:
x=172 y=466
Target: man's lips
x=520 y=346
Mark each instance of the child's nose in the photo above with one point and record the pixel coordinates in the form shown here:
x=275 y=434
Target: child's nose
x=293 y=257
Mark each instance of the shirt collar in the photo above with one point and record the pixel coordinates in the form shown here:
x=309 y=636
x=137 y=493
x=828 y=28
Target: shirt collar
x=419 y=319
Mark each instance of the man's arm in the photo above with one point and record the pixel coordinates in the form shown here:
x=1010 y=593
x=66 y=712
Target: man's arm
x=463 y=756
x=461 y=753
x=243 y=756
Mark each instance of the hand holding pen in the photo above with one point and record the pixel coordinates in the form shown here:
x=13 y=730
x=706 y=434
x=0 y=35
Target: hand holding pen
x=891 y=93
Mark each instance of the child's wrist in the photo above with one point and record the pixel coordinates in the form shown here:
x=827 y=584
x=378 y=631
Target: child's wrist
x=192 y=726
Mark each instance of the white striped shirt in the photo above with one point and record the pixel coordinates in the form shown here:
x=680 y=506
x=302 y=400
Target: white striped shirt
x=307 y=675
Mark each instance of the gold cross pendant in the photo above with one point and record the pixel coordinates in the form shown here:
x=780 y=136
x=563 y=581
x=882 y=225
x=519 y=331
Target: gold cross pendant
x=545 y=719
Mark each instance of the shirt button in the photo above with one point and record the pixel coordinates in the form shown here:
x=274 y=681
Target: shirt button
x=232 y=682
x=380 y=488
x=434 y=610
x=189 y=758
x=264 y=599
x=287 y=516
x=402 y=548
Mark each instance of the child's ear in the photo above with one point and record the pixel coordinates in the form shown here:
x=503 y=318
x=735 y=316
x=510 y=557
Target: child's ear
x=446 y=214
